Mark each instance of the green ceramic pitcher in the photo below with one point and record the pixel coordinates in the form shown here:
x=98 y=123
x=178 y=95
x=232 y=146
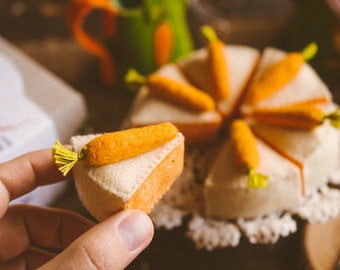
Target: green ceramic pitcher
x=140 y=34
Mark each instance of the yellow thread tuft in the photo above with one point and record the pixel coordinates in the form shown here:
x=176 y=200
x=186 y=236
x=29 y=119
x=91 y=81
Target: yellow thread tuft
x=132 y=76
x=209 y=33
x=310 y=51
x=64 y=158
x=134 y=80
x=257 y=180
x=334 y=118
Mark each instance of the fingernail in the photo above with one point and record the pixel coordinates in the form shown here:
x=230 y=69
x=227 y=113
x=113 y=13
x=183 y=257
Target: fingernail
x=136 y=230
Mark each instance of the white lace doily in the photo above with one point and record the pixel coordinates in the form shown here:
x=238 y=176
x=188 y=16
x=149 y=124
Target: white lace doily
x=184 y=199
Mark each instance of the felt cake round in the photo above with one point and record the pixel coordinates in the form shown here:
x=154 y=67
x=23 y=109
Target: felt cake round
x=213 y=199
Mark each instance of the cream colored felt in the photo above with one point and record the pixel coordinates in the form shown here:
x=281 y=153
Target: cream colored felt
x=227 y=195
x=241 y=62
x=306 y=87
x=315 y=151
x=137 y=182
x=296 y=162
x=149 y=109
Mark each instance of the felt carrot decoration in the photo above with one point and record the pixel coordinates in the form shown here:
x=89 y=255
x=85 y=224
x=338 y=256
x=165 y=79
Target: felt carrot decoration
x=279 y=74
x=246 y=153
x=116 y=146
x=163 y=42
x=217 y=64
x=179 y=93
x=297 y=116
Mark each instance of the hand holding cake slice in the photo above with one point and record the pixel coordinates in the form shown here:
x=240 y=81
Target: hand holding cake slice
x=125 y=169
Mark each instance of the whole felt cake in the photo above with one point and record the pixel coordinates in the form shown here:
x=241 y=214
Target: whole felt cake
x=261 y=141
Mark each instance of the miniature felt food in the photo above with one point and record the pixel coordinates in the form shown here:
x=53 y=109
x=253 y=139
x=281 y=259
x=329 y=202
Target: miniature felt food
x=126 y=169
x=258 y=146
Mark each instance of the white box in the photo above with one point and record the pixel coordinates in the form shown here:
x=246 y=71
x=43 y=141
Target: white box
x=36 y=108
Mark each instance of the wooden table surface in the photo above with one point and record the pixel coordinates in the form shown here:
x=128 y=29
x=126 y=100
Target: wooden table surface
x=38 y=28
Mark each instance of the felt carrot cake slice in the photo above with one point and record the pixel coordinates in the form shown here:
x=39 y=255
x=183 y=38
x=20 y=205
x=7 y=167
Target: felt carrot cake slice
x=241 y=62
x=315 y=152
x=125 y=169
x=167 y=96
x=249 y=179
x=285 y=79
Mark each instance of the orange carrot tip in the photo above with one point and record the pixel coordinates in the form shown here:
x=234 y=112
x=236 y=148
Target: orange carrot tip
x=334 y=118
x=256 y=180
x=209 y=33
x=309 y=51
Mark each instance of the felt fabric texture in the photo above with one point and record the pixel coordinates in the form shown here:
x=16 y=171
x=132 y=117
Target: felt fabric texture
x=107 y=189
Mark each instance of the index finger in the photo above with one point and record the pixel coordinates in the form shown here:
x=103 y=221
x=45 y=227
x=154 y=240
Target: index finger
x=23 y=174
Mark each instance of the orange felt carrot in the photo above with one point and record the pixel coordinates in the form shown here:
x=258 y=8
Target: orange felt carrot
x=217 y=64
x=297 y=116
x=78 y=12
x=163 y=42
x=179 y=93
x=279 y=74
x=116 y=146
x=246 y=153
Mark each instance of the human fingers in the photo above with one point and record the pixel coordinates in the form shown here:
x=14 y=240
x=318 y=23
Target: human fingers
x=23 y=174
x=26 y=226
x=33 y=258
x=112 y=244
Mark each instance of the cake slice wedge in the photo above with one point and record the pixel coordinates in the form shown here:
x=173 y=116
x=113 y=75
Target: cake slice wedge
x=228 y=196
x=241 y=61
x=306 y=87
x=196 y=126
x=133 y=183
x=314 y=151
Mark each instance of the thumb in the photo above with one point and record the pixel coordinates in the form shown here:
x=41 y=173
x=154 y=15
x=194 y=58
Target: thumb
x=111 y=244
